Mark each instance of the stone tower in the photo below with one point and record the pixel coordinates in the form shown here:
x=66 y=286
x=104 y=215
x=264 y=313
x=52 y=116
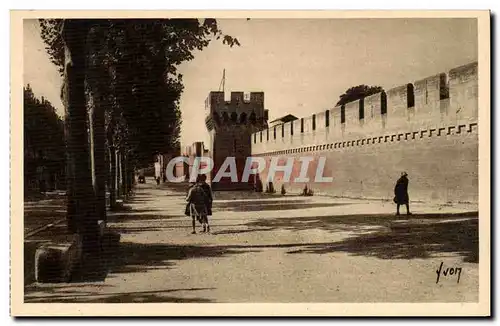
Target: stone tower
x=230 y=125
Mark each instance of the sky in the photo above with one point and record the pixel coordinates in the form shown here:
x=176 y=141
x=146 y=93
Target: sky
x=302 y=65
x=39 y=72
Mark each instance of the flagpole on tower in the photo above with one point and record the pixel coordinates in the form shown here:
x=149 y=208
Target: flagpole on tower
x=223 y=81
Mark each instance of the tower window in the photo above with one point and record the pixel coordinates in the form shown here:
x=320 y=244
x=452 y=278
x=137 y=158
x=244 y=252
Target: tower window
x=361 y=108
x=410 y=96
x=383 y=103
x=426 y=93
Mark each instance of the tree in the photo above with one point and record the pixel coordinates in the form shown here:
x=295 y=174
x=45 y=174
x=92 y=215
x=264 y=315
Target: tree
x=358 y=92
x=81 y=212
x=43 y=128
x=43 y=140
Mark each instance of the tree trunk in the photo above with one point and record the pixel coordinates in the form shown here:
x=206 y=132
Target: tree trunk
x=112 y=177
x=130 y=177
x=80 y=195
x=111 y=164
x=119 y=173
x=99 y=155
x=124 y=175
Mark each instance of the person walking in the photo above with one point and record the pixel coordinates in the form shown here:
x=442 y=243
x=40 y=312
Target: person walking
x=208 y=201
x=401 y=193
x=197 y=200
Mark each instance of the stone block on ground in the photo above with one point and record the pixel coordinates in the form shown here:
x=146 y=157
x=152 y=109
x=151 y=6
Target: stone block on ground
x=54 y=263
x=30 y=248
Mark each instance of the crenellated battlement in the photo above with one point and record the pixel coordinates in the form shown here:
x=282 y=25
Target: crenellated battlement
x=240 y=102
x=242 y=109
x=442 y=99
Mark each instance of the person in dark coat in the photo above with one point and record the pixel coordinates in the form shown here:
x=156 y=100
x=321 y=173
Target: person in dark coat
x=208 y=203
x=401 y=193
x=196 y=199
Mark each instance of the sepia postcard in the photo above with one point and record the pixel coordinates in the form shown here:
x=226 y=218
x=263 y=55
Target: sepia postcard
x=250 y=163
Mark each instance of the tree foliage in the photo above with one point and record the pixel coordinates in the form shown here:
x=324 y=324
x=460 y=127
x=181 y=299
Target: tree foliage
x=43 y=128
x=132 y=69
x=44 y=143
x=358 y=92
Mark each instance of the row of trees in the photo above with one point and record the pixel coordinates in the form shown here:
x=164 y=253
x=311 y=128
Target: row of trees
x=121 y=95
x=44 y=146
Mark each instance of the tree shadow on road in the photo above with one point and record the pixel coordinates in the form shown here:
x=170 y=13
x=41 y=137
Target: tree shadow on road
x=117 y=297
x=139 y=257
x=422 y=236
x=226 y=232
x=266 y=205
x=140 y=229
x=178 y=195
x=141 y=217
x=127 y=209
x=254 y=196
x=351 y=222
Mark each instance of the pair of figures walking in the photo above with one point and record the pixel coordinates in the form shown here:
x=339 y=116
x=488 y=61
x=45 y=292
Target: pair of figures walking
x=401 y=193
x=199 y=203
